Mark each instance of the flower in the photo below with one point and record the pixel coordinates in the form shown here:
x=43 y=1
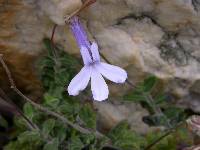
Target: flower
x=93 y=68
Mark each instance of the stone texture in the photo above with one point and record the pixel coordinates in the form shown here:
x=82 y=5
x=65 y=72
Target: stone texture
x=110 y=114
x=160 y=37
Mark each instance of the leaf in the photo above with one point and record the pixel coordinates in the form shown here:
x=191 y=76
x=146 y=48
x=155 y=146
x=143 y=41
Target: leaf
x=175 y=114
x=60 y=131
x=29 y=136
x=51 y=100
x=28 y=110
x=48 y=126
x=88 y=139
x=122 y=137
x=75 y=144
x=149 y=83
x=88 y=116
x=56 y=91
x=160 y=99
x=67 y=109
x=52 y=145
x=157 y=120
x=62 y=77
x=134 y=97
x=3 y=122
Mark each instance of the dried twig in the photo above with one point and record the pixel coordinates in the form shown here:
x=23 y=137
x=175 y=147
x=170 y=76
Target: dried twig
x=44 y=109
x=52 y=42
x=29 y=123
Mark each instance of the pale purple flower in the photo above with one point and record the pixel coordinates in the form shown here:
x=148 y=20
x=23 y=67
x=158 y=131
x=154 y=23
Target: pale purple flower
x=93 y=68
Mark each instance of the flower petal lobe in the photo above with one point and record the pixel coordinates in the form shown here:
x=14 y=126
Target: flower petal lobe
x=98 y=86
x=95 y=52
x=80 y=81
x=86 y=56
x=112 y=73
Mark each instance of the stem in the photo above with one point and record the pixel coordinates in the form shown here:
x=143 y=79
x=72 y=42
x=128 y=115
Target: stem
x=148 y=147
x=30 y=124
x=156 y=109
x=53 y=45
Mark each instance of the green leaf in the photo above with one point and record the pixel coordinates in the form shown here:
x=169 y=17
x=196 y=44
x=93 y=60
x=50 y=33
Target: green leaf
x=51 y=100
x=88 y=116
x=66 y=108
x=149 y=83
x=62 y=77
x=60 y=131
x=134 y=97
x=48 y=126
x=56 y=91
x=75 y=144
x=122 y=137
x=28 y=110
x=160 y=99
x=3 y=122
x=29 y=136
x=157 y=120
x=52 y=145
x=88 y=139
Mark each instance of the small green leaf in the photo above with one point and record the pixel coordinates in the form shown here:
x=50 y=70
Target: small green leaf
x=60 y=131
x=88 y=116
x=51 y=100
x=52 y=145
x=48 y=126
x=62 y=77
x=160 y=99
x=134 y=97
x=28 y=110
x=124 y=138
x=149 y=83
x=66 y=108
x=88 y=138
x=29 y=136
x=75 y=144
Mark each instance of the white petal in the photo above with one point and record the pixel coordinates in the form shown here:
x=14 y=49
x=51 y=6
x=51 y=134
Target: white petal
x=95 y=51
x=86 y=55
x=113 y=73
x=80 y=81
x=98 y=86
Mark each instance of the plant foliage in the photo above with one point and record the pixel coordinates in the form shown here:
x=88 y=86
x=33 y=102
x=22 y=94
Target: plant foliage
x=56 y=69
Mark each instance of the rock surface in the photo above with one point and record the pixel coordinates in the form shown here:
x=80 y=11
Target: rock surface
x=110 y=114
x=160 y=37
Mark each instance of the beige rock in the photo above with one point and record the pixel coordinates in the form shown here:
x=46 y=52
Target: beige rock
x=175 y=15
x=109 y=115
x=57 y=10
x=160 y=37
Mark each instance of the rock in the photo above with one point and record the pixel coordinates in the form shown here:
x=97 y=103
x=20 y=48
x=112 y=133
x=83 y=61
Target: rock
x=57 y=10
x=145 y=37
x=110 y=114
